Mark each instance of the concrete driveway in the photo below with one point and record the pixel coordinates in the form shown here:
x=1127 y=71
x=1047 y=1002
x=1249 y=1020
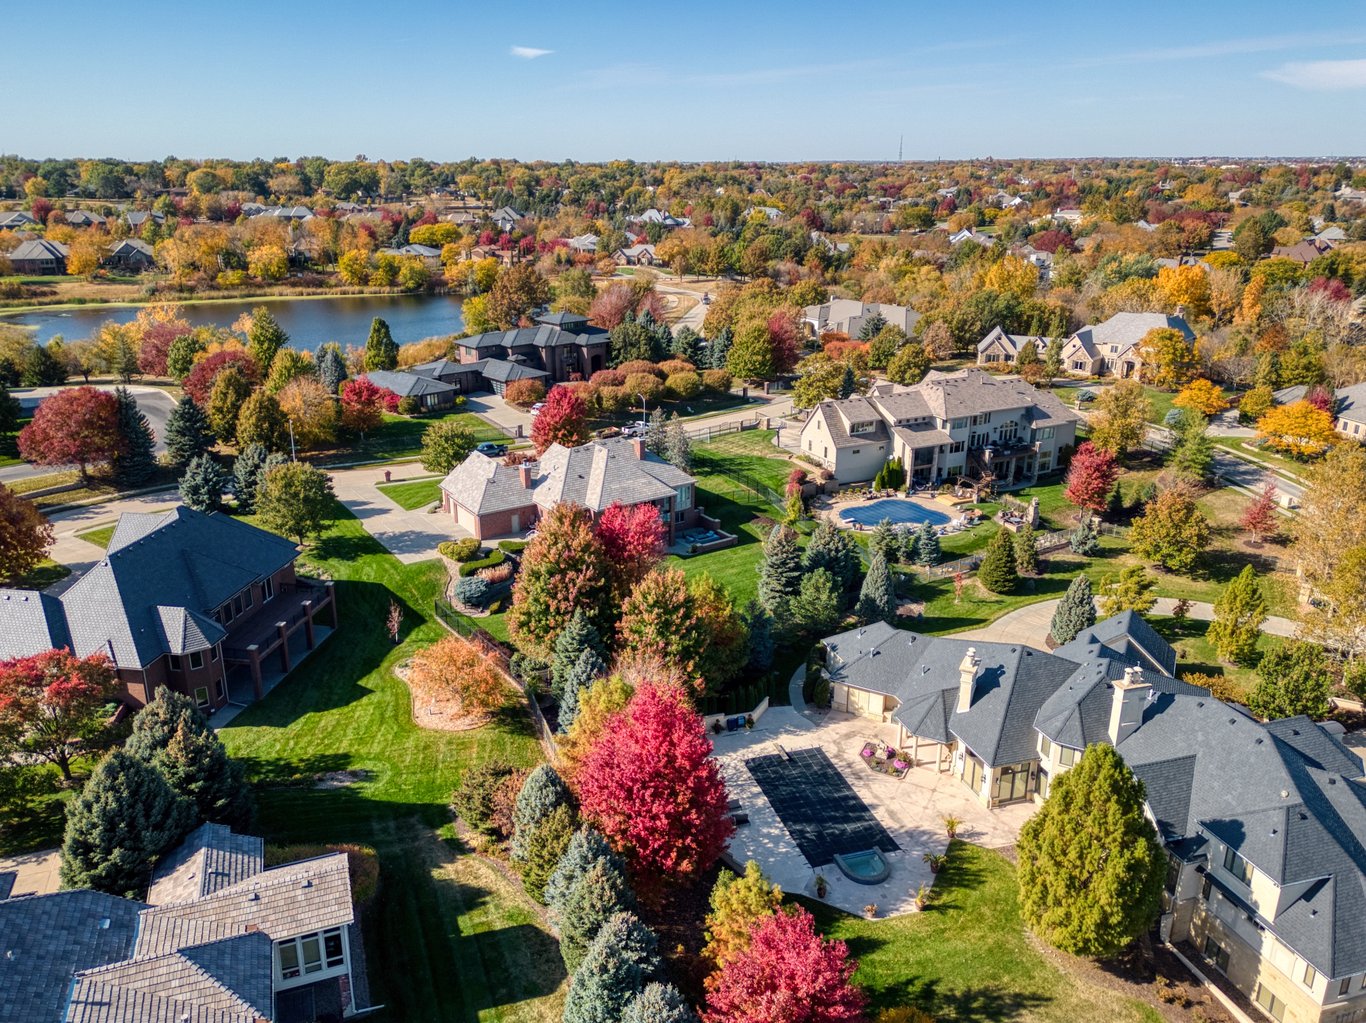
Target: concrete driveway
x=491 y=407
x=410 y=536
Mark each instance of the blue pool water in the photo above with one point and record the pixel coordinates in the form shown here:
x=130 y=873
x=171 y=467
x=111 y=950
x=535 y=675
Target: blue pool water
x=897 y=510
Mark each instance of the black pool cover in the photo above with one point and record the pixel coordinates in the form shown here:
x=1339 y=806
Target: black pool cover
x=818 y=807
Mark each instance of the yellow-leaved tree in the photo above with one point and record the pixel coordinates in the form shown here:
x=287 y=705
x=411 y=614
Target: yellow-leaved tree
x=1300 y=429
x=1185 y=286
x=1168 y=358
x=1201 y=396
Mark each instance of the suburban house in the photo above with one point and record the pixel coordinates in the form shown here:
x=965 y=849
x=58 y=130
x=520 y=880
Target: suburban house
x=198 y=602
x=561 y=347
x=584 y=243
x=427 y=253
x=1111 y=348
x=847 y=316
x=1264 y=824
x=17 y=220
x=1303 y=252
x=138 y=219
x=39 y=256
x=491 y=499
x=83 y=218
x=948 y=425
x=635 y=255
x=967 y=234
x=1349 y=407
x=505 y=218
x=131 y=254
x=220 y=938
x=660 y=217
x=1001 y=349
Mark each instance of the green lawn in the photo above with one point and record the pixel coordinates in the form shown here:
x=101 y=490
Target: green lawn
x=99 y=536
x=968 y=959
x=749 y=454
x=401 y=437
x=412 y=494
x=9 y=446
x=449 y=938
x=1195 y=653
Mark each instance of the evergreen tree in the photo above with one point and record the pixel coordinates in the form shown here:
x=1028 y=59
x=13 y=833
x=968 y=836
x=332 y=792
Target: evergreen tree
x=125 y=818
x=1085 y=540
x=587 y=670
x=678 y=451
x=719 y=349
x=201 y=485
x=848 y=384
x=1091 y=867
x=585 y=848
x=815 y=609
x=381 y=351
x=187 y=432
x=759 y=626
x=686 y=345
x=1027 y=363
x=135 y=462
x=1075 y=612
x=1238 y=616
x=542 y=791
x=780 y=572
x=1193 y=453
x=927 y=550
x=1026 y=551
x=265 y=337
x=331 y=367
x=42 y=369
x=248 y=469
x=1052 y=360
x=1295 y=679
x=885 y=541
x=9 y=407
x=997 y=571
x=659 y=1003
x=594 y=897
x=657 y=433
x=578 y=635
x=877 y=597
x=543 y=820
x=621 y=961
x=834 y=550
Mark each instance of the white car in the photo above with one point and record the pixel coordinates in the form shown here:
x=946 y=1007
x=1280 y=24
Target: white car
x=536 y=409
x=635 y=429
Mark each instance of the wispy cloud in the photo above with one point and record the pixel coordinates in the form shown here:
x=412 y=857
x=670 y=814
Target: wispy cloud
x=1321 y=75
x=1223 y=48
x=529 y=52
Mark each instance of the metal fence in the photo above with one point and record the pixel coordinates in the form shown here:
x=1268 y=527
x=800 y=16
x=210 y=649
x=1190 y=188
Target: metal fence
x=706 y=433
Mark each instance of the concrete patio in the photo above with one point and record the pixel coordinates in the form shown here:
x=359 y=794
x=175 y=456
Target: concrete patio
x=911 y=809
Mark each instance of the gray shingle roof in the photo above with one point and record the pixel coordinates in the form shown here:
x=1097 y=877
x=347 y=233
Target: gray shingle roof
x=1128 y=636
x=408 y=384
x=30 y=622
x=45 y=939
x=543 y=335
x=503 y=372
x=211 y=858
x=484 y=485
x=7 y=879
x=38 y=248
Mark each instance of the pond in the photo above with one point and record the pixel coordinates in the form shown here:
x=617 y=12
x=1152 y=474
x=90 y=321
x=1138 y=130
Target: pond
x=309 y=322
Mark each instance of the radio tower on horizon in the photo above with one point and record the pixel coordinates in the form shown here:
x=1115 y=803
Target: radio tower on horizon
x=900 y=148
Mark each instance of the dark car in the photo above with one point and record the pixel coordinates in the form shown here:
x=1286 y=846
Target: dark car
x=492 y=450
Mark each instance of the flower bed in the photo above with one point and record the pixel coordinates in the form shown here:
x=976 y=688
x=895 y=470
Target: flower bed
x=885 y=760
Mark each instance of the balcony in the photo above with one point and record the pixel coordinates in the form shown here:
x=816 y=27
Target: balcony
x=267 y=630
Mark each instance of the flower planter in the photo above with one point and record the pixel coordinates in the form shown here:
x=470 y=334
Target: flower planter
x=884 y=760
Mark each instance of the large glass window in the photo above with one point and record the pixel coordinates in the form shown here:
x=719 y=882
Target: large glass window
x=1267 y=999
x=1237 y=866
x=311 y=953
x=196 y=659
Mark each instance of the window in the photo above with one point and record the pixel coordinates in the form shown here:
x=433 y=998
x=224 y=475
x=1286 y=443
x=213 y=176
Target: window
x=984 y=417
x=1044 y=746
x=267 y=589
x=1114 y=349
x=1310 y=975
x=1173 y=874
x=1345 y=986
x=1045 y=461
x=1216 y=954
x=311 y=953
x=196 y=660
x=1205 y=889
x=213 y=652
x=855 y=451
x=1237 y=866
x=960 y=424
x=1066 y=756
x=1079 y=365
x=1267 y=999
x=1046 y=433
x=201 y=697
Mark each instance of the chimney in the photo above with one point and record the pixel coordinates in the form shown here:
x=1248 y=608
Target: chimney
x=1126 y=708
x=967 y=678
x=638 y=443
x=524 y=471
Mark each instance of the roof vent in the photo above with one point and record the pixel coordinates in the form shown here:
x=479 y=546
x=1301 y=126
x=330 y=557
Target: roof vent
x=308 y=883
x=254 y=897
x=1199 y=703
x=104 y=923
x=1233 y=721
x=924 y=669
x=1259 y=740
x=1285 y=793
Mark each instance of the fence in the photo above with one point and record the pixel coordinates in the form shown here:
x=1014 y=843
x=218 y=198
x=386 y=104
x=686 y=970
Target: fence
x=1043 y=542
x=752 y=483
x=706 y=433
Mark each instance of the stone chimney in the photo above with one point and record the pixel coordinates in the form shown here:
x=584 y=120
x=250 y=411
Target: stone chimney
x=524 y=471
x=1126 y=708
x=638 y=444
x=968 y=671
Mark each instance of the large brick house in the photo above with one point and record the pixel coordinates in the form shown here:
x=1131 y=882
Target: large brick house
x=563 y=346
x=491 y=499
x=180 y=599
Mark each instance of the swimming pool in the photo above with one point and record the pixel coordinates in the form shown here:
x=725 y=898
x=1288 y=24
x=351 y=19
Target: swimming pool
x=866 y=867
x=896 y=509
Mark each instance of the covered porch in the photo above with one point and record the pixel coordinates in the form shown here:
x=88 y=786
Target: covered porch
x=273 y=637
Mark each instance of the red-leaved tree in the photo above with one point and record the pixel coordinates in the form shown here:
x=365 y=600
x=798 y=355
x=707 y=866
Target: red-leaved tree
x=1260 y=517
x=25 y=536
x=1052 y=241
x=611 y=305
x=198 y=384
x=651 y=787
x=362 y=405
x=52 y=703
x=788 y=974
x=785 y=334
x=632 y=539
x=77 y=426
x=563 y=420
x=1090 y=476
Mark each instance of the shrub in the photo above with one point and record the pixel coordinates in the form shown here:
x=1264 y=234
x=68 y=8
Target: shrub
x=486 y=795
x=362 y=863
x=645 y=384
x=671 y=366
x=472 y=591
x=640 y=366
x=684 y=384
x=608 y=378
x=498 y=574
x=471 y=567
x=524 y=392
x=459 y=550
x=614 y=399
x=408 y=406
x=512 y=546
x=717 y=380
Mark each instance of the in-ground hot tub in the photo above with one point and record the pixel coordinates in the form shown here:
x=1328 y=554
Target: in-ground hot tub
x=866 y=867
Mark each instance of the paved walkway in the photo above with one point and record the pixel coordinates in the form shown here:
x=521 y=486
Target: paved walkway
x=408 y=535
x=1029 y=625
x=38 y=872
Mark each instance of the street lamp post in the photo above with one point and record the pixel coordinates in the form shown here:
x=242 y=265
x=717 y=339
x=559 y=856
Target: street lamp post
x=644 y=415
x=292 y=456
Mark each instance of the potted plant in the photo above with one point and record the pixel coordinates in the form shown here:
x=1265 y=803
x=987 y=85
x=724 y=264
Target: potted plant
x=936 y=861
x=821 y=886
x=870 y=911
x=951 y=826
x=922 y=897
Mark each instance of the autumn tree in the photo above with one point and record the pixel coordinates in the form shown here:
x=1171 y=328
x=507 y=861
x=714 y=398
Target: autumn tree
x=1295 y=679
x=1259 y=518
x=457 y=670
x=597 y=705
x=289 y=366
x=1201 y=396
x=53 y=704
x=562 y=570
x=362 y=406
x=738 y=903
x=1329 y=532
x=77 y=426
x=689 y=626
x=230 y=392
x=1120 y=421
x=261 y=421
x=381 y=350
x=198 y=384
x=1238 y=616
x=650 y=785
x=309 y=408
x=787 y=974
x=519 y=290
x=25 y=536
x=295 y=500
x=1301 y=430
x=1091 y=866
x=563 y=421
x=188 y=434
x=445 y=444
x=1172 y=531
x=909 y=365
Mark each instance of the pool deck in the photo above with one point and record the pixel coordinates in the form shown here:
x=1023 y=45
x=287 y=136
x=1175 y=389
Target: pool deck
x=834 y=510
x=911 y=809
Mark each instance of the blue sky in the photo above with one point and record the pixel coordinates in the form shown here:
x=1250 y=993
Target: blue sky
x=741 y=79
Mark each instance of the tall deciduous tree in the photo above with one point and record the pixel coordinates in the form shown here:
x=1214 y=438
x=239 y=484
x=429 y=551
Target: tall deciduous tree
x=25 y=536
x=445 y=444
x=310 y=411
x=1130 y=590
x=260 y=420
x=187 y=432
x=562 y=571
x=651 y=787
x=1331 y=523
x=126 y=817
x=1172 y=531
x=1238 y=616
x=737 y=904
x=295 y=500
x=1091 y=865
x=230 y=392
x=1168 y=358
x=1075 y=612
x=54 y=703
x=1295 y=679
x=563 y=421
x=632 y=538
x=460 y=671
x=362 y=406
x=1121 y=417
x=381 y=350
x=78 y=426
x=1300 y=429
x=1259 y=518
x=909 y=365
x=519 y=290
x=1090 y=477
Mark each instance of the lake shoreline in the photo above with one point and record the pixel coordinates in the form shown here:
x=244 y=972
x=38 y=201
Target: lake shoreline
x=60 y=307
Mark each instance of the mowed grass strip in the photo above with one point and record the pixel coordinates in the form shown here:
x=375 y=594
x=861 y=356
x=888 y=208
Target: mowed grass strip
x=413 y=494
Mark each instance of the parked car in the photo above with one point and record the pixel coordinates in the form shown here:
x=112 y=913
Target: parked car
x=492 y=450
x=635 y=429
x=536 y=409
x=706 y=298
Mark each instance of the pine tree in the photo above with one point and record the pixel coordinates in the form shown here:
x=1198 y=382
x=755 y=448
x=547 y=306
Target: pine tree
x=816 y=608
x=927 y=550
x=1238 y=616
x=187 y=432
x=595 y=896
x=124 y=819
x=659 y=1003
x=587 y=670
x=834 y=550
x=381 y=352
x=780 y=571
x=578 y=635
x=545 y=842
x=248 y=469
x=1075 y=612
x=265 y=337
x=1091 y=867
x=848 y=384
x=1193 y=454
x=885 y=541
x=686 y=345
x=657 y=433
x=737 y=904
x=997 y=572
x=585 y=848
x=1026 y=551
x=759 y=626
x=678 y=448
x=877 y=597
x=542 y=791
x=621 y=961
x=9 y=407
x=719 y=349
x=43 y=369
x=331 y=366
x=1085 y=540
x=202 y=484
x=135 y=462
